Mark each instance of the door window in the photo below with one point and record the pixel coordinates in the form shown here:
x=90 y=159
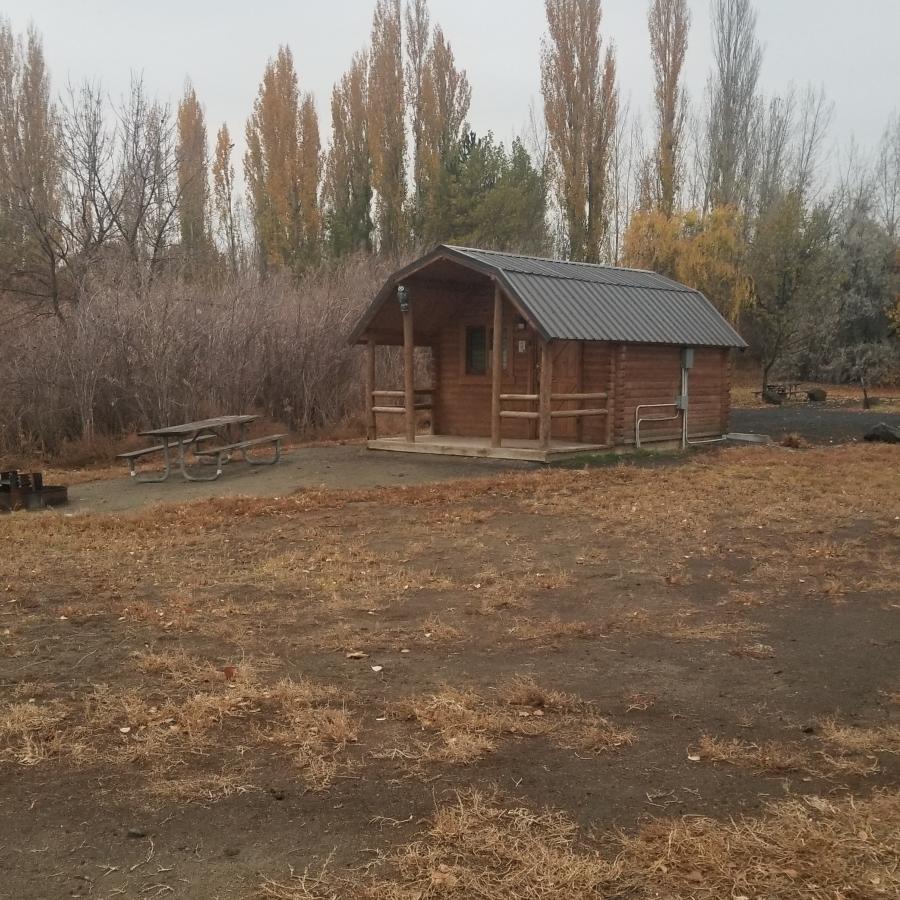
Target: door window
x=476 y=350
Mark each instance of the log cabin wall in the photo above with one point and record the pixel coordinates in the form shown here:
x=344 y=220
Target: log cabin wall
x=631 y=375
x=652 y=374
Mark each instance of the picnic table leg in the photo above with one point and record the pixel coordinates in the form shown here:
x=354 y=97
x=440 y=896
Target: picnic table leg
x=264 y=462
x=186 y=475
x=153 y=479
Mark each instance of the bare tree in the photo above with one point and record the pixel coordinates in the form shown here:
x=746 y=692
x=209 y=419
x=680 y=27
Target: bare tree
x=732 y=97
x=224 y=202
x=580 y=107
x=88 y=151
x=774 y=136
x=146 y=197
x=31 y=244
x=814 y=120
x=622 y=162
x=887 y=178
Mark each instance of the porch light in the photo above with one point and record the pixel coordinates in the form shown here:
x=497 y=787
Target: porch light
x=403 y=298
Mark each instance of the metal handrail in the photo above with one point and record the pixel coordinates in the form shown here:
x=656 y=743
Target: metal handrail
x=638 y=419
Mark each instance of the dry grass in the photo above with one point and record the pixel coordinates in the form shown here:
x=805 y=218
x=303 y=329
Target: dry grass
x=810 y=848
x=203 y=787
x=851 y=739
x=775 y=757
x=470 y=726
x=794 y=441
x=683 y=625
x=201 y=706
x=550 y=630
x=754 y=651
x=31 y=732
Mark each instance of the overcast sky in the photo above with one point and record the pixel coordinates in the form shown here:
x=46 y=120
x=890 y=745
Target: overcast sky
x=222 y=45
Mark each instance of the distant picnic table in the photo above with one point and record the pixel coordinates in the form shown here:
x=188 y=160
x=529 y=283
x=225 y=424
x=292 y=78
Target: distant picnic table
x=786 y=390
x=207 y=438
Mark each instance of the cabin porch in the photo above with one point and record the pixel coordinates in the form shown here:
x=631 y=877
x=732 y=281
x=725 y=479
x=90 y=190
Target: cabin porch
x=510 y=448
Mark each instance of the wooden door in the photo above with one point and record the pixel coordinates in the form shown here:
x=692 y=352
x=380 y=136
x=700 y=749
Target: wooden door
x=567 y=362
x=525 y=379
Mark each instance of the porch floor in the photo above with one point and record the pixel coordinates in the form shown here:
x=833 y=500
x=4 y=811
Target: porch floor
x=445 y=445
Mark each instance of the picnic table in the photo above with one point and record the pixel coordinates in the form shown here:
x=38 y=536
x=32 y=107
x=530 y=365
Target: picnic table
x=785 y=390
x=195 y=437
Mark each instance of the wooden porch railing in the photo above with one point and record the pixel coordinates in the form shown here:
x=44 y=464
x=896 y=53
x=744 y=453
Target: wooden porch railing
x=582 y=413
x=375 y=409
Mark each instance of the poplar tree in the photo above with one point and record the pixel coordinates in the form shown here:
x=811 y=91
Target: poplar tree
x=418 y=39
x=578 y=84
x=387 y=125
x=193 y=178
x=446 y=97
x=283 y=169
x=223 y=196
x=733 y=102
x=348 y=176
x=31 y=238
x=669 y=23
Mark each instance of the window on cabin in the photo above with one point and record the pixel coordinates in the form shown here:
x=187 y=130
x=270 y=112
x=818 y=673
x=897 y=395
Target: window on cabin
x=476 y=350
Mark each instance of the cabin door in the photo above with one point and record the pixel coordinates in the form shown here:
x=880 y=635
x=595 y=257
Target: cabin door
x=567 y=358
x=526 y=378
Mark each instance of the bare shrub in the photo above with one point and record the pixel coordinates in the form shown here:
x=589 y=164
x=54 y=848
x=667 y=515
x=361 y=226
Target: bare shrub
x=137 y=351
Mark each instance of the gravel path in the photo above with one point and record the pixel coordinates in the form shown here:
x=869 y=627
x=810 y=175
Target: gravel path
x=818 y=424
x=349 y=467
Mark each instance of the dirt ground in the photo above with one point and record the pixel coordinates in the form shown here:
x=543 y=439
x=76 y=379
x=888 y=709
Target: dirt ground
x=678 y=682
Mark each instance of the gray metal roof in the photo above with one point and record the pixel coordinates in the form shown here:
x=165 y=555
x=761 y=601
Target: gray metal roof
x=585 y=302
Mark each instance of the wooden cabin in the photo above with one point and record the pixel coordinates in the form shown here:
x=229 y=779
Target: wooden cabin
x=539 y=359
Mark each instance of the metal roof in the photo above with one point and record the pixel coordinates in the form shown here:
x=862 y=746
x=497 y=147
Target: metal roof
x=586 y=302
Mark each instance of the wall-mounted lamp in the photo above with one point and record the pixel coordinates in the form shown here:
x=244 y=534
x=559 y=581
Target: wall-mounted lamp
x=403 y=298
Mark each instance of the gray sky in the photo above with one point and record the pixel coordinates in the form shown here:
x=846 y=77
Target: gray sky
x=849 y=48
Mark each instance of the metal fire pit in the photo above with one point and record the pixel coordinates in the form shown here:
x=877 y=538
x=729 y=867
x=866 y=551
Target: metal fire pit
x=20 y=490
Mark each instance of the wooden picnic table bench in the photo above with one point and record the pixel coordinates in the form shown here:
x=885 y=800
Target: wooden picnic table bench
x=191 y=435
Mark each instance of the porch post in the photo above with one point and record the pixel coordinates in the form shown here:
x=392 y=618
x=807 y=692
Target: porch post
x=545 y=420
x=409 y=375
x=497 y=367
x=371 y=430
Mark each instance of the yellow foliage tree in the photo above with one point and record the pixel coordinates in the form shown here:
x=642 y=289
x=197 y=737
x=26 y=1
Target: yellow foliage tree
x=578 y=84
x=283 y=169
x=387 y=124
x=223 y=195
x=193 y=175
x=704 y=252
x=669 y=22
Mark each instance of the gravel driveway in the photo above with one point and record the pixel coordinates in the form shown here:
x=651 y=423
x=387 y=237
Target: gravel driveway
x=818 y=424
